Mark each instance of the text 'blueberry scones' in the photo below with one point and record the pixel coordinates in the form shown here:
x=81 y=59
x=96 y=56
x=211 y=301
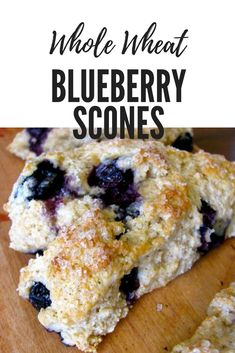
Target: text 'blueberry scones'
x=216 y=334
x=128 y=216
x=34 y=141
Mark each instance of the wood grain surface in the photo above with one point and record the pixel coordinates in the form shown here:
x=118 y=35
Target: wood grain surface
x=145 y=330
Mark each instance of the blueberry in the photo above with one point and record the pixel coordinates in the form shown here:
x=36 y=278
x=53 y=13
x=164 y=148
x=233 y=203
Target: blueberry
x=36 y=132
x=39 y=296
x=52 y=204
x=209 y=218
x=129 y=285
x=184 y=142
x=204 y=247
x=120 y=214
x=110 y=176
x=45 y=182
x=119 y=196
x=131 y=211
x=118 y=237
x=37 y=138
x=39 y=252
x=117 y=184
x=208 y=213
x=215 y=240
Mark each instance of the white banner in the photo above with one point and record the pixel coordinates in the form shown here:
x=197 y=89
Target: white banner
x=181 y=60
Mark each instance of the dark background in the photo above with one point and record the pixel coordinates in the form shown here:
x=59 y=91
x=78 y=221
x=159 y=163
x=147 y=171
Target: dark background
x=216 y=140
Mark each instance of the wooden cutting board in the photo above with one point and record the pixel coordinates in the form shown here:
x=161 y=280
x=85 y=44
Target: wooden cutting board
x=145 y=330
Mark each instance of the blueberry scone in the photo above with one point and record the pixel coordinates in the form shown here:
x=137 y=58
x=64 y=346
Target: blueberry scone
x=54 y=189
x=216 y=334
x=123 y=217
x=34 y=141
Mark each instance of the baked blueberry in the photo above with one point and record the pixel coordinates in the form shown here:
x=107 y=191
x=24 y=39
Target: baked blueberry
x=216 y=240
x=132 y=211
x=120 y=214
x=184 y=142
x=37 y=138
x=204 y=247
x=117 y=183
x=46 y=181
x=209 y=242
x=39 y=252
x=118 y=237
x=208 y=213
x=108 y=175
x=39 y=296
x=120 y=196
x=209 y=239
x=52 y=204
x=129 y=285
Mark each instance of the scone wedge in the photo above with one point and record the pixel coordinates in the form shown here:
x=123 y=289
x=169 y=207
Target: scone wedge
x=53 y=188
x=32 y=142
x=144 y=215
x=216 y=334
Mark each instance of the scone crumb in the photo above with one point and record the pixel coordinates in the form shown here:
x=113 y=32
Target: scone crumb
x=159 y=307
